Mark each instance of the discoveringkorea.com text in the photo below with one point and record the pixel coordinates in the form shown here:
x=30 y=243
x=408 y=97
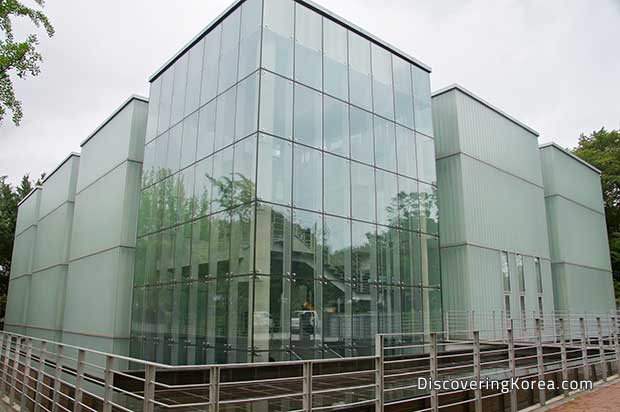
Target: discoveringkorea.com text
x=505 y=386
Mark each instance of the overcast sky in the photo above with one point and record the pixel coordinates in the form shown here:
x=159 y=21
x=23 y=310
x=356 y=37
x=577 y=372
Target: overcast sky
x=554 y=64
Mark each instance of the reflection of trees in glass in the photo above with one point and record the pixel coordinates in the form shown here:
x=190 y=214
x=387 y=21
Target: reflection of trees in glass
x=414 y=207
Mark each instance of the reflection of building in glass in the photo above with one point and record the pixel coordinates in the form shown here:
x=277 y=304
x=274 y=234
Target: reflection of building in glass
x=288 y=205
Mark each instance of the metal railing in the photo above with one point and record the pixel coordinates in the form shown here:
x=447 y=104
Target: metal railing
x=40 y=375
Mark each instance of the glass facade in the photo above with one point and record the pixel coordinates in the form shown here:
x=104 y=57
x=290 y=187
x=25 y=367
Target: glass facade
x=289 y=203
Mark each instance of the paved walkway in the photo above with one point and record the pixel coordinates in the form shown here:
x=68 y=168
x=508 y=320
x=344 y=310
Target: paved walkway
x=602 y=400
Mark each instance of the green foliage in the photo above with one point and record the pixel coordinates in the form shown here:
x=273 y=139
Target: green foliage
x=9 y=198
x=18 y=57
x=602 y=150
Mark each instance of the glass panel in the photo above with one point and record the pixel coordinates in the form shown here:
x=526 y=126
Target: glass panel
x=274 y=170
x=435 y=318
x=229 y=53
x=307 y=178
x=360 y=85
x=429 y=209
x=505 y=271
x=425 y=148
x=362 y=192
x=412 y=320
x=188 y=147
x=336 y=326
x=274 y=226
x=251 y=18
x=200 y=249
x=222 y=180
x=403 y=92
x=336 y=185
x=410 y=204
x=173 y=158
x=206 y=130
x=363 y=258
x=405 y=150
x=276 y=105
x=336 y=126
x=148 y=167
x=178 y=89
x=219 y=245
x=242 y=240
x=422 y=101
x=194 y=77
x=387 y=198
x=210 y=65
x=247 y=107
x=383 y=92
x=431 y=275
x=337 y=248
x=388 y=260
x=225 y=123
x=539 y=282
x=145 y=212
x=204 y=183
x=161 y=154
x=521 y=273
x=169 y=202
x=271 y=318
x=278 y=35
x=244 y=186
x=165 y=100
x=305 y=320
x=158 y=207
x=185 y=194
x=153 y=112
x=410 y=259
x=307 y=236
x=182 y=252
x=308 y=116
x=166 y=262
x=335 y=60
x=362 y=146
x=385 y=144
x=308 y=38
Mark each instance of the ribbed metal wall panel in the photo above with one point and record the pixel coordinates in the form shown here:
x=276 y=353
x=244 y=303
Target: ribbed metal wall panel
x=23 y=252
x=503 y=212
x=492 y=138
x=28 y=212
x=451 y=200
x=580 y=289
x=53 y=238
x=569 y=178
x=578 y=235
x=455 y=278
x=445 y=124
x=59 y=187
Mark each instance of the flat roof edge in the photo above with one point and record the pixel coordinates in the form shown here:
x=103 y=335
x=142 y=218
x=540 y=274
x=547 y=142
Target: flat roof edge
x=113 y=115
x=65 y=160
x=479 y=99
x=28 y=195
x=566 y=152
x=320 y=9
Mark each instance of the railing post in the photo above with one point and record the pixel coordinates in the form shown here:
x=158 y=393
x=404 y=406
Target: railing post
x=584 y=350
x=477 y=371
x=18 y=345
x=40 y=376
x=513 y=367
x=149 y=388
x=307 y=386
x=540 y=361
x=379 y=372
x=214 y=389
x=26 y=381
x=5 y=369
x=601 y=348
x=57 y=375
x=434 y=373
x=612 y=327
x=79 y=380
x=108 y=384
x=563 y=353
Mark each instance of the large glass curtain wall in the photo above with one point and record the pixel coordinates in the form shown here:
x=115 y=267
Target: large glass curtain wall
x=288 y=206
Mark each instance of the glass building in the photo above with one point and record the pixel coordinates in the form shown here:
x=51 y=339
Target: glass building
x=288 y=206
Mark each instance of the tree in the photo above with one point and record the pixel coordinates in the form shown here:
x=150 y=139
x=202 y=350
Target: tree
x=9 y=198
x=602 y=150
x=19 y=58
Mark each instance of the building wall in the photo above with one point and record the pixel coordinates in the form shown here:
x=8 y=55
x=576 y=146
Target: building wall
x=100 y=273
x=492 y=200
x=289 y=177
x=578 y=235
